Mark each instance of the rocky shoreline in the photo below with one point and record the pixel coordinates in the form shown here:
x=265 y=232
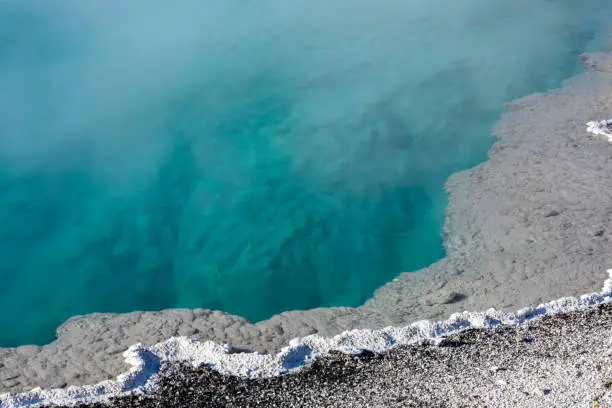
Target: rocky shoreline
x=563 y=360
x=532 y=223
x=150 y=365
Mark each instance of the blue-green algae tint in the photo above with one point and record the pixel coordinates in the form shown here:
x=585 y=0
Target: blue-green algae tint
x=248 y=156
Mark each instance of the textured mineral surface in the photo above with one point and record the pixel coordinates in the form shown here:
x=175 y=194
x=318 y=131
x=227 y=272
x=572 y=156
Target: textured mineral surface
x=563 y=360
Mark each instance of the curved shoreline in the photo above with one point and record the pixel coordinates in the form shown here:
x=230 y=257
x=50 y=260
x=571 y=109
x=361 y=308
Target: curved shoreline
x=146 y=362
x=532 y=223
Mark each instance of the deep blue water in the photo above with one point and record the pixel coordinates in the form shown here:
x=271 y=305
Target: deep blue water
x=252 y=157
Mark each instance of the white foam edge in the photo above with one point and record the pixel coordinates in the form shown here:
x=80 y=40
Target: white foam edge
x=601 y=128
x=145 y=361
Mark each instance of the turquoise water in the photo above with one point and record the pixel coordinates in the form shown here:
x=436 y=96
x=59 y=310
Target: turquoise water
x=253 y=157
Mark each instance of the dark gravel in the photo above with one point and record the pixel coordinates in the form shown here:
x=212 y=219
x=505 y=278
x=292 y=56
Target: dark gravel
x=559 y=361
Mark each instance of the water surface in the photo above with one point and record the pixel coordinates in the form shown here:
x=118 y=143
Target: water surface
x=252 y=157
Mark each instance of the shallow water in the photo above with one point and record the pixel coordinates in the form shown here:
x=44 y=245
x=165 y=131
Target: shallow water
x=253 y=158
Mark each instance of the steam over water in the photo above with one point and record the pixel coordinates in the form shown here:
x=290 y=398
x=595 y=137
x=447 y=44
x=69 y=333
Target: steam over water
x=248 y=156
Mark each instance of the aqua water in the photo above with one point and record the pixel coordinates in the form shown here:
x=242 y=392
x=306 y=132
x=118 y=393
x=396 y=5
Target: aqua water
x=252 y=157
